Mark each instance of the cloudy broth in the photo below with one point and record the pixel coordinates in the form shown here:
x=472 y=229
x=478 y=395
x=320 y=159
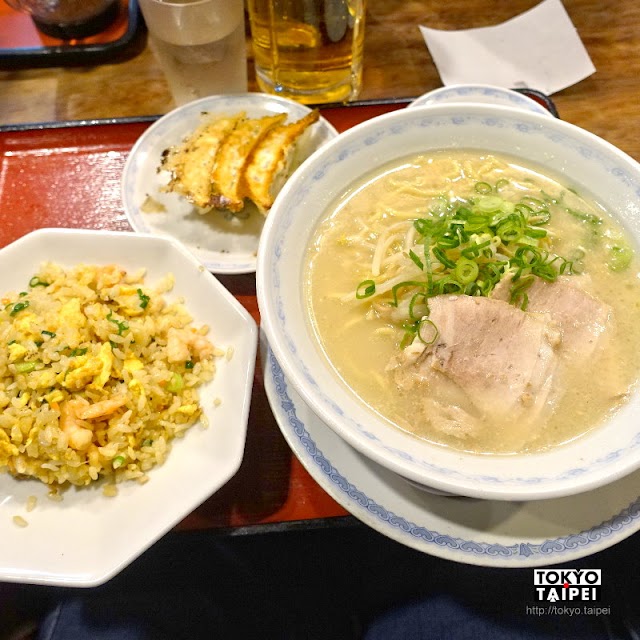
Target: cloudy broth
x=360 y=342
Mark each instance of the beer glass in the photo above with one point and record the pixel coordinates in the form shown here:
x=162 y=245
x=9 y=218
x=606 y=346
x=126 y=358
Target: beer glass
x=308 y=50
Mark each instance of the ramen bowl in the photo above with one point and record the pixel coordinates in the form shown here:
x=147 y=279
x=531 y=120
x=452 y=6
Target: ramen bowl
x=583 y=160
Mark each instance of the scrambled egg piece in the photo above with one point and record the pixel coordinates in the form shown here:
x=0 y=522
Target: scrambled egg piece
x=24 y=323
x=133 y=364
x=105 y=357
x=82 y=369
x=16 y=351
x=71 y=322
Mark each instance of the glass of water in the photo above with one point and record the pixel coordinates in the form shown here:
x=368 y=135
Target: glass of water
x=200 y=45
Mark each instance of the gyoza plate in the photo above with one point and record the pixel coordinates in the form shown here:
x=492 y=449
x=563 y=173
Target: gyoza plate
x=223 y=243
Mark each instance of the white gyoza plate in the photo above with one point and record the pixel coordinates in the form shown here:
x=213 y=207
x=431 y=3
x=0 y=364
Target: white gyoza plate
x=480 y=532
x=87 y=537
x=223 y=243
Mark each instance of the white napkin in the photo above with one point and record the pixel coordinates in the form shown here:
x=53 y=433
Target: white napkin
x=539 y=49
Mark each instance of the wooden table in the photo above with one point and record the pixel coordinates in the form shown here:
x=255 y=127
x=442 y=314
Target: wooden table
x=397 y=64
x=275 y=489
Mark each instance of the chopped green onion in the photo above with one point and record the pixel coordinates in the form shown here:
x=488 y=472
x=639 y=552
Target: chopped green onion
x=474 y=250
x=546 y=271
x=509 y=229
x=414 y=301
x=429 y=227
x=473 y=289
x=585 y=217
x=534 y=203
x=25 y=367
x=365 y=289
x=466 y=270
x=48 y=333
x=448 y=240
x=441 y=257
x=18 y=306
x=489 y=204
x=176 y=384
x=619 y=258
x=448 y=284
x=122 y=326
x=476 y=223
x=404 y=285
x=118 y=461
x=36 y=282
x=540 y=218
x=532 y=232
x=427 y=261
x=78 y=352
x=416 y=260
x=467 y=246
x=22 y=294
x=518 y=295
x=566 y=267
x=409 y=335
x=144 y=299
x=189 y=364
x=483 y=187
x=427 y=331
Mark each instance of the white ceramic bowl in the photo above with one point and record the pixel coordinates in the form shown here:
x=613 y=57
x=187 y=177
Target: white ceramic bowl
x=608 y=453
x=87 y=538
x=223 y=244
x=479 y=94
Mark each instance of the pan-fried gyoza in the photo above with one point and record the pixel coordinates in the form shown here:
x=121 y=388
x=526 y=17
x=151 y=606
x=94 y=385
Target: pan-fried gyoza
x=228 y=160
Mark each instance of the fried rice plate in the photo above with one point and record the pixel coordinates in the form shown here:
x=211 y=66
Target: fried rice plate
x=98 y=374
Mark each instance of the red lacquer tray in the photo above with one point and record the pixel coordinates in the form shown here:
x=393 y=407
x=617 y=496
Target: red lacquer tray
x=68 y=175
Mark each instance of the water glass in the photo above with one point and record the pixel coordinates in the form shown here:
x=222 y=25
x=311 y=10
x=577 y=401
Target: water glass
x=200 y=45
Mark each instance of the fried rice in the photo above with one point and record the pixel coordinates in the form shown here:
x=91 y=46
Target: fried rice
x=98 y=374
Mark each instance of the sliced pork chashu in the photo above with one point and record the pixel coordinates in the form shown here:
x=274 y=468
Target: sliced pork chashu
x=582 y=318
x=491 y=363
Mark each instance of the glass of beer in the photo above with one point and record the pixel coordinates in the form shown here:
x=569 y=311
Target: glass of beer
x=200 y=45
x=308 y=50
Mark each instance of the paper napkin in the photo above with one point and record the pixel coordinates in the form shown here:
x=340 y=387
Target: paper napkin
x=539 y=49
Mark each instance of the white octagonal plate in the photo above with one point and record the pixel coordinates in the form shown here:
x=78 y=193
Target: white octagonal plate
x=87 y=538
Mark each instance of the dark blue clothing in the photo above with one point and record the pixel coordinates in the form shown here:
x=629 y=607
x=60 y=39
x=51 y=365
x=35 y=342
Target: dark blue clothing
x=343 y=583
